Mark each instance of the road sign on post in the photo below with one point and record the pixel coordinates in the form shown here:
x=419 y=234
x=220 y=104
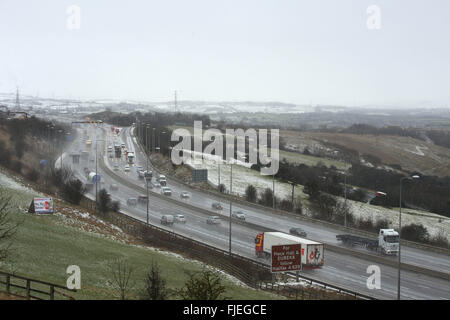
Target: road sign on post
x=199 y=175
x=286 y=258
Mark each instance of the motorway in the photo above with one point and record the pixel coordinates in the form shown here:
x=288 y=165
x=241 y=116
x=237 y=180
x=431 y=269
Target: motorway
x=342 y=270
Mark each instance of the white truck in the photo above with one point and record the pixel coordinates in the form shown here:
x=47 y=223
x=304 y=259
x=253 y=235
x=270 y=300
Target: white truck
x=312 y=253
x=93 y=177
x=387 y=242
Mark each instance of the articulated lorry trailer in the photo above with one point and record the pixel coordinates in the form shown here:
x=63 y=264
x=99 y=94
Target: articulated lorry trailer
x=387 y=242
x=312 y=253
x=118 y=151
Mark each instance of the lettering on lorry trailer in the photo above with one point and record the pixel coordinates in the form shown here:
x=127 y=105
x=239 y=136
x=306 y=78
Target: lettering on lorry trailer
x=286 y=258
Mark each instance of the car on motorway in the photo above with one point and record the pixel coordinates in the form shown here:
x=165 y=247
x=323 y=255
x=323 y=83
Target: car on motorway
x=167 y=219
x=148 y=175
x=298 y=232
x=161 y=177
x=132 y=202
x=166 y=191
x=213 y=220
x=238 y=215
x=142 y=199
x=116 y=167
x=157 y=185
x=184 y=195
x=180 y=218
x=127 y=168
x=122 y=145
x=217 y=206
x=138 y=168
x=114 y=187
x=110 y=149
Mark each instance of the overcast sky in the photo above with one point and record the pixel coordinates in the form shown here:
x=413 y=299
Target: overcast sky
x=319 y=52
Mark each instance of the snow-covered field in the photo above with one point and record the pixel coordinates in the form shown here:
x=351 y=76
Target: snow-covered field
x=434 y=223
x=243 y=176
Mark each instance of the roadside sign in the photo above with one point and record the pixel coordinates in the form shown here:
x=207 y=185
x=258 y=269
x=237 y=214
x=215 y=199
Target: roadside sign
x=286 y=258
x=41 y=206
x=199 y=175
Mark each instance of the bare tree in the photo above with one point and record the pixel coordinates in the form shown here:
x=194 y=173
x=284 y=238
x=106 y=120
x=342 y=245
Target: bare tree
x=121 y=272
x=7 y=227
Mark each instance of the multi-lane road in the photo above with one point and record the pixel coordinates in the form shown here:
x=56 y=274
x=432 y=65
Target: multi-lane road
x=340 y=269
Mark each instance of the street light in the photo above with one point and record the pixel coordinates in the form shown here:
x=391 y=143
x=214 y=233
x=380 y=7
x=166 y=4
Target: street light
x=231 y=198
x=273 y=191
x=400 y=232
x=146 y=142
x=345 y=199
x=146 y=155
x=96 y=174
x=61 y=143
x=153 y=141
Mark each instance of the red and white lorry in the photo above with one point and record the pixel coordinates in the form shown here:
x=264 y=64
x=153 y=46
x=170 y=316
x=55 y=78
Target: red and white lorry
x=312 y=253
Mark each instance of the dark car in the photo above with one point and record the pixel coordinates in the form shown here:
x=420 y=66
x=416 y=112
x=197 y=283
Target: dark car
x=217 y=206
x=298 y=232
x=142 y=199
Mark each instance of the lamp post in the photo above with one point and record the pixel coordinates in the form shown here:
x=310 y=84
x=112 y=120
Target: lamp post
x=292 y=196
x=96 y=175
x=218 y=185
x=153 y=141
x=160 y=146
x=61 y=142
x=146 y=155
x=400 y=232
x=273 y=191
x=345 y=199
x=231 y=199
x=146 y=142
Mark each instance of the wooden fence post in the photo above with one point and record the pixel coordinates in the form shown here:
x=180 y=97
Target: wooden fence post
x=28 y=289
x=52 y=293
x=8 y=283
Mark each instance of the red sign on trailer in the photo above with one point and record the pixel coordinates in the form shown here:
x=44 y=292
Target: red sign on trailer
x=286 y=258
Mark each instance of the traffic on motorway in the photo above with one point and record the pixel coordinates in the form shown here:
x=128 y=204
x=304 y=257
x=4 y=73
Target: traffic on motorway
x=113 y=160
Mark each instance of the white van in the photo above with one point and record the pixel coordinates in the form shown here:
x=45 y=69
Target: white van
x=167 y=219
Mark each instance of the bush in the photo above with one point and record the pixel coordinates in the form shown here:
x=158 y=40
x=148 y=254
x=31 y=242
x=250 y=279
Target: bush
x=250 y=193
x=357 y=195
x=286 y=205
x=17 y=166
x=415 y=232
x=312 y=189
x=155 y=285
x=205 y=285
x=267 y=198
x=33 y=175
x=115 y=206
x=73 y=191
x=103 y=201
